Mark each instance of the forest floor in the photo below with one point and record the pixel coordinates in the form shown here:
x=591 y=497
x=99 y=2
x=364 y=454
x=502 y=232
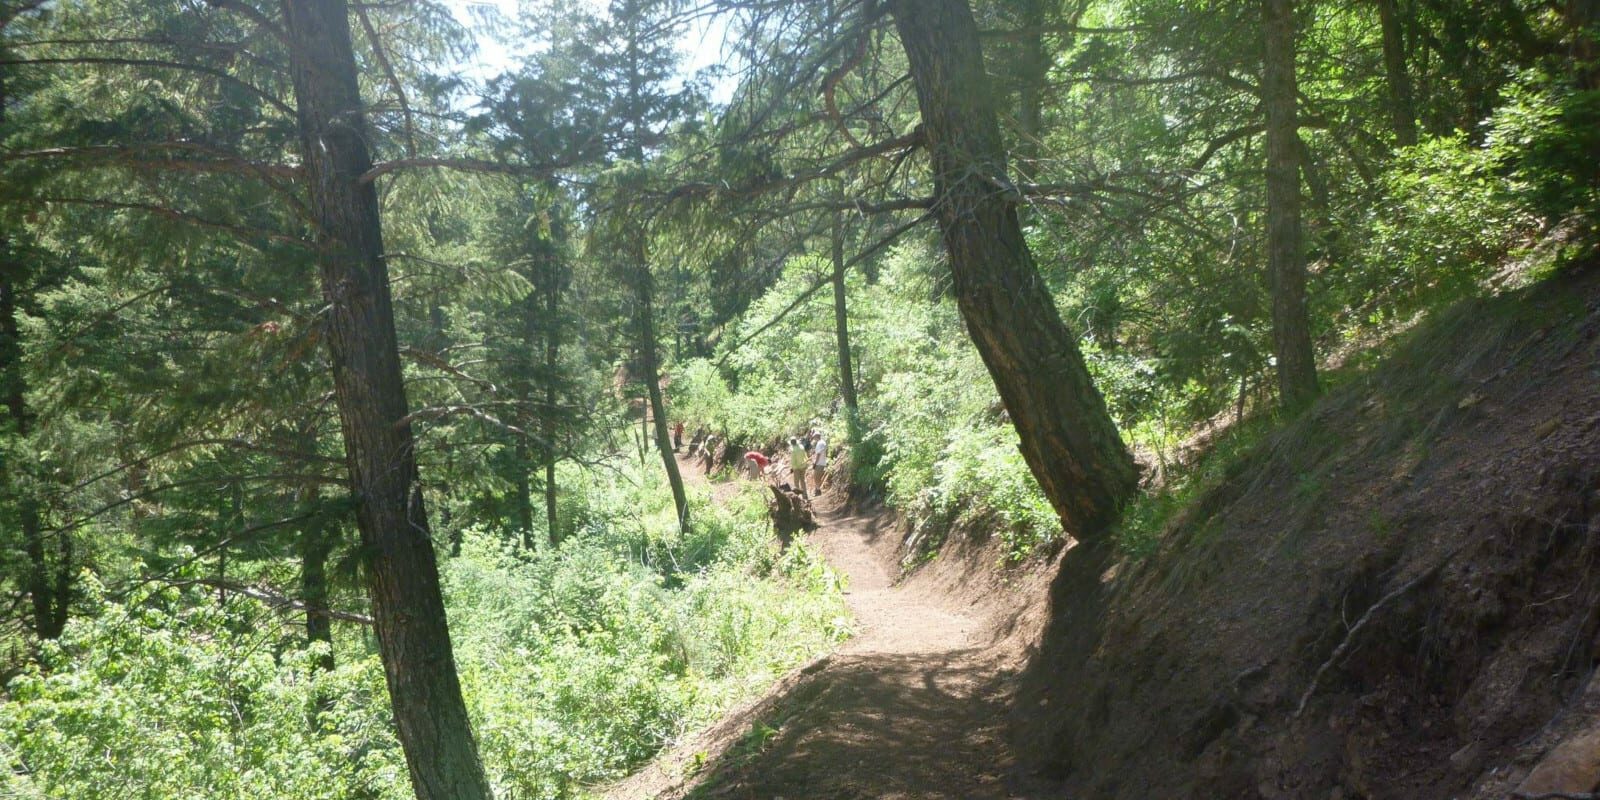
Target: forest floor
x=913 y=706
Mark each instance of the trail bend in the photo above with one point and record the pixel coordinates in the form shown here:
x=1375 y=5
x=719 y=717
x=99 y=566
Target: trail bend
x=912 y=706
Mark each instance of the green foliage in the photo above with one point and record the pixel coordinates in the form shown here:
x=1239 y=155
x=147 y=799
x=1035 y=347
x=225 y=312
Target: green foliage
x=577 y=662
x=1545 y=138
x=167 y=695
x=1445 y=219
x=932 y=435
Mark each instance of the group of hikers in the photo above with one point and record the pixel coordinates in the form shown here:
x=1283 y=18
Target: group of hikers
x=807 y=463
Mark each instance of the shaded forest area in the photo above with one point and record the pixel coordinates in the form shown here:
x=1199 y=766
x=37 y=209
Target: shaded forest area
x=337 y=453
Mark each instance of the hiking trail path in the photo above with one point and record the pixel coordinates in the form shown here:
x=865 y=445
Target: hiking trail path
x=912 y=706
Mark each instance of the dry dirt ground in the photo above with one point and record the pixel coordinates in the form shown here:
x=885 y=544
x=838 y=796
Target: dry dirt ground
x=1394 y=595
x=913 y=706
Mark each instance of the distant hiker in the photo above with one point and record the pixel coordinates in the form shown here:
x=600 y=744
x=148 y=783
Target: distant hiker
x=677 y=436
x=695 y=440
x=756 y=462
x=799 y=462
x=819 y=460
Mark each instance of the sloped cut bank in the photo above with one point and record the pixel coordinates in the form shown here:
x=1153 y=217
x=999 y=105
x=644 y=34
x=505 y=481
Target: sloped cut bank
x=1396 y=596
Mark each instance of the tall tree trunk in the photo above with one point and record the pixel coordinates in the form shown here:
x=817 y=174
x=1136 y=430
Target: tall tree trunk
x=316 y=545
x=49 y=578
x=524 y=499
x=841 y=327
x=1067 y=436
x=1583 y=18
x=402 y=572
x=547 y=424
x=1286 y=260
x=658 y=408
x=1032 y=70
x=1402 y=109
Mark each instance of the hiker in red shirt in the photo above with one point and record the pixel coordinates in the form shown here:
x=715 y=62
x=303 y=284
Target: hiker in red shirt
x=756 y=462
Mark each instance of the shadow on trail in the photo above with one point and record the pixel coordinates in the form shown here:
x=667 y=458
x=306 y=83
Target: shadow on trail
x=874 y=725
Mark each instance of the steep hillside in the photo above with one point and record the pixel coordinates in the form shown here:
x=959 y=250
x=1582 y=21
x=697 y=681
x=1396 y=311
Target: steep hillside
x=1396 y=596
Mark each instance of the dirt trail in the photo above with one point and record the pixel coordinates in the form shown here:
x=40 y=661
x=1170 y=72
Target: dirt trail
x=911 y=707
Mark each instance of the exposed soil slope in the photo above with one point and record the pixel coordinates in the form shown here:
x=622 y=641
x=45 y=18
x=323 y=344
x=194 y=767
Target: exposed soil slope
x=912 y=707
x=1415 y=561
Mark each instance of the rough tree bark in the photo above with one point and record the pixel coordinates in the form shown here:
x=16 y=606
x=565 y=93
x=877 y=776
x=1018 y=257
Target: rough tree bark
x=1286 y=260
x=317 y=539
x=1067 y=436
x=402 y=572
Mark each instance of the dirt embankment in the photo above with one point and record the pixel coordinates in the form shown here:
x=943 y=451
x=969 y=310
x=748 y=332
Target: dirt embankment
x=1396 y=596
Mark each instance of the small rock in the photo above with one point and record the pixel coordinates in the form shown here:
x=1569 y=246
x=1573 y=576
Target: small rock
x=1572 y=767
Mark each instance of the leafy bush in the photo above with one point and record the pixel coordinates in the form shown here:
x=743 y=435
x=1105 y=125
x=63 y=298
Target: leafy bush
x=578 y=663
x=169 y=695
x=1444 y=220
x=1545 y=140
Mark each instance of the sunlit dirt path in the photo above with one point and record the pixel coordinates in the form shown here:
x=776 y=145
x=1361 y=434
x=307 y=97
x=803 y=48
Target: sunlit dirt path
x=913 y=706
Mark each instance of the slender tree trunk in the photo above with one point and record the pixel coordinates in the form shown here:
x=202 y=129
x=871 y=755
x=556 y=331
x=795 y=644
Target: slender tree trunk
x=658 y=409
x=547 y=425
x=1067 y=436
x=1582 y=18
x=1402 y=109
x=1286 y=260
x=49 y=586
x=316 y=545
x=1033 y=68
x=49 y=578
x=841 y=327
x=402 y=572
x=524 y=493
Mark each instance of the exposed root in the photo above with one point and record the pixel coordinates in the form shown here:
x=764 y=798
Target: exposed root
x=1350 y=636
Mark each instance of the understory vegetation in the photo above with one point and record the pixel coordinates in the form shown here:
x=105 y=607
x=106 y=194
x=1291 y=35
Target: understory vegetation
x=343 y=344
x=578 y=662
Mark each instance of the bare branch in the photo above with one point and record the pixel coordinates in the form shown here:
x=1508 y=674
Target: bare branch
x=816 y=286
x=382 y=54
x=462 y=164
x=273 y=598
x=131 y=154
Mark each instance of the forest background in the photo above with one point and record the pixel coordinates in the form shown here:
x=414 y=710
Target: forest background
x=307 y=338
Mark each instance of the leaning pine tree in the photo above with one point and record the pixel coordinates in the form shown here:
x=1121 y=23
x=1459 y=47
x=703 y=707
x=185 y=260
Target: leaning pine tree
x=1068 y=437
x=402 y=573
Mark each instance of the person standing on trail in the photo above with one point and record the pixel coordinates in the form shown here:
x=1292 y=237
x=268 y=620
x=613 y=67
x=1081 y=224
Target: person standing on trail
x=799 y=462
x=819 y=460
x=677 y=435
x=756 y=461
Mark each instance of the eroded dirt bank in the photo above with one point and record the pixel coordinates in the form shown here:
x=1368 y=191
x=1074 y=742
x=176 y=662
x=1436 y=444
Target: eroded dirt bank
x=1397 y=596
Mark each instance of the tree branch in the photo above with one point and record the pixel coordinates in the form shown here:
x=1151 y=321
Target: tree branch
x=243 y=234
x=273 y=598
x=254 y=90
x=816 y=286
